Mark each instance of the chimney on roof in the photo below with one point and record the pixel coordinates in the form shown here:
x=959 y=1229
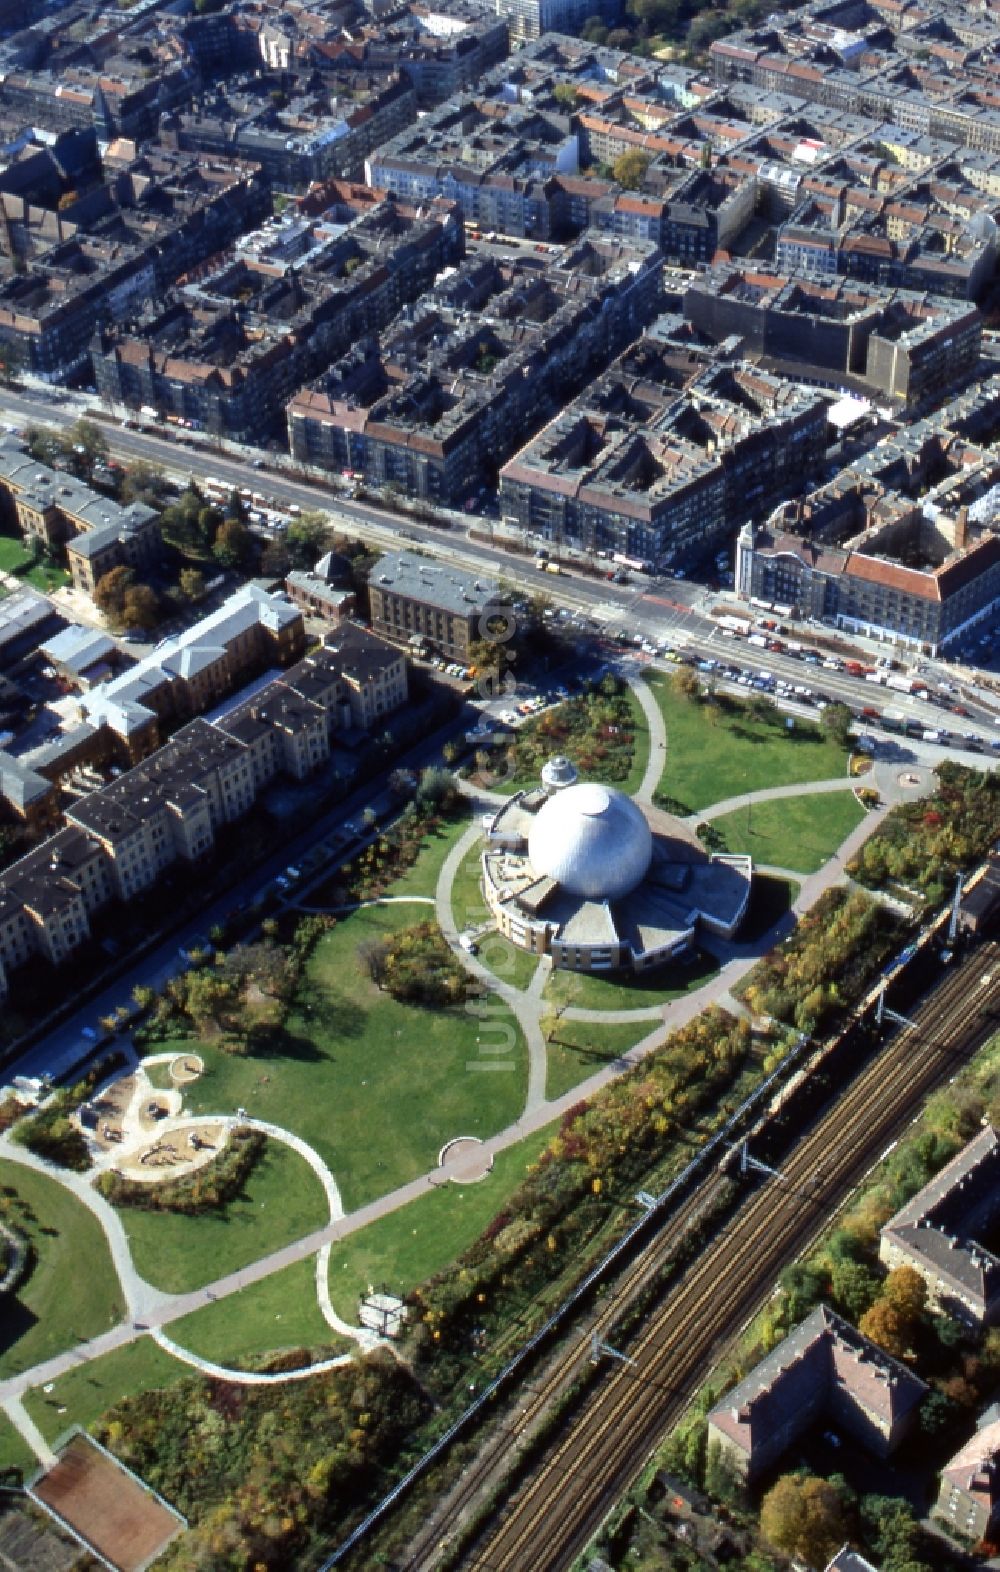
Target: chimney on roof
x=962 y=529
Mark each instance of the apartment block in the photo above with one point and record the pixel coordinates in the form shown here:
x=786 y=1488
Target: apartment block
x=437 y=52
x=326 y=127
x=435 y=405
x=824 y=1370
x=170 y=807
x=229 y=348
x=55 y=508
x=189 y=674
x=414 y=600
x=900 y=345
x=371 y=675
x=870 y=59
x=632 y=467
x=968 y=1501
x=948 y=1230
x=120 y=840
x=139 y=228
x=904 y=545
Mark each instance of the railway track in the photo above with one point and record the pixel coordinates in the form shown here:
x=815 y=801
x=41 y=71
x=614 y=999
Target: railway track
x=584 y=1471
x=511 y=1433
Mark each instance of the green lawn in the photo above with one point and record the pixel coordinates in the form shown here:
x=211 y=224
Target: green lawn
x=44 y=577
x=710 y=759
x=160 y=1077
x=14 y=555
x=633 y=779
x=578 y=1049
x=72 y=1293
x=282 y=1201
x=801 y=833
x=409 y=1245
x=422 y=878
x=468 y=907
x=280 y=1312
x=589 y=991
x=375 y=1086
x=14 y=1451
x=87 y=1391
x=16 y=558
x=506 y=961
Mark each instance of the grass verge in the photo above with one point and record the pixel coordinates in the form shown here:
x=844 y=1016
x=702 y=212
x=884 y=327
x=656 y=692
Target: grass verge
x=14 y=1450
x=282 y=1200
x=72 y=1292
x=800 y=833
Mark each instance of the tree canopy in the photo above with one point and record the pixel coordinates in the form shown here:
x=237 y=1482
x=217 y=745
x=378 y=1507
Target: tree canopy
x=806 y=1517
x=307 y=538
x=630 y=169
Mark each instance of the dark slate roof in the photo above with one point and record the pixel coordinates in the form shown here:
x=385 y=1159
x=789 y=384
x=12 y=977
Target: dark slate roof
x=937 y=1228
x=20 y=785
x=360 y=655
x=823 y=1350
x=848 y=1560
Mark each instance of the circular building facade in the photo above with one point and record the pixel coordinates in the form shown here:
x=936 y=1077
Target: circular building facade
x=578 y=871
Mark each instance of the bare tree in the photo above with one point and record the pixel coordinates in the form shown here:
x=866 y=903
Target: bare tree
x=372 y=955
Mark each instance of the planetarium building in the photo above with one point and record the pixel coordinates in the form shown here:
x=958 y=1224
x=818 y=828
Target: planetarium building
x=579 y=872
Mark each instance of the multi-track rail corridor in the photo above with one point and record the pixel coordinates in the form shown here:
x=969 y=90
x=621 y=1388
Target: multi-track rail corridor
x=583 y=1471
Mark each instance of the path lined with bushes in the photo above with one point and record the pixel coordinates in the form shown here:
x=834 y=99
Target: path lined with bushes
x=151 y=1310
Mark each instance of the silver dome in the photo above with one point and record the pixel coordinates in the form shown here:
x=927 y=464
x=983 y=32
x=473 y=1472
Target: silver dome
x=558 y=773
x=592 y=840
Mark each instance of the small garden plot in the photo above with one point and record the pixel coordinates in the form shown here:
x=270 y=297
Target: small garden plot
x=603 y=731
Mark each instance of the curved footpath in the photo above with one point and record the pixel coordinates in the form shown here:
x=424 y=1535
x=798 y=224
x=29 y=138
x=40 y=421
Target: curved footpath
x=657 y=728
x=150 y=1310
x=522 y=1006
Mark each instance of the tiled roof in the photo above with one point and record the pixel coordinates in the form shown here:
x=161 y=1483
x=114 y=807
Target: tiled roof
x=975 y=1467
x=936 y=1228
x=823 y=1352
x=909 y=581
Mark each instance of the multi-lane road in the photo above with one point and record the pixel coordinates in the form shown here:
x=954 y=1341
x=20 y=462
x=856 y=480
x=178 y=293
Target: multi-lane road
x=669 y=610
